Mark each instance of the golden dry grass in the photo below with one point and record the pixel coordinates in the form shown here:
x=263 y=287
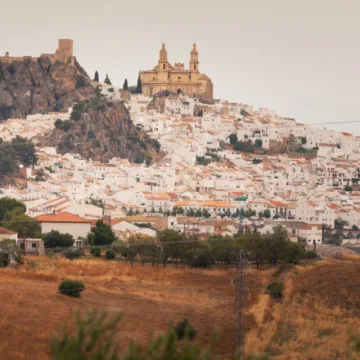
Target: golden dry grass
x=320 y=307
x=32 y=308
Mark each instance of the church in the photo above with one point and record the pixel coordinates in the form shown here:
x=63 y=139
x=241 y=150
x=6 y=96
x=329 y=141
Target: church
x=173 y=78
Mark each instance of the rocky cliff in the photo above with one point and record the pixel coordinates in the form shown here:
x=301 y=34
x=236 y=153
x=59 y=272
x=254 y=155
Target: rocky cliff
x=101 y=130
x=30 y=87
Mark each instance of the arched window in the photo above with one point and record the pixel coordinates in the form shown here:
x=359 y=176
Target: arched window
x=194 y=67
x=164 y=66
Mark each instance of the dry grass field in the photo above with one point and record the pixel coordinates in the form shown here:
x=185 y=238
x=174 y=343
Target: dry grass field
x=320 y=309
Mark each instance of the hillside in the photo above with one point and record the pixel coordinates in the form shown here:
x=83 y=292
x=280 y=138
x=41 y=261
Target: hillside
x=32 y=87
x=102 y=130
x=316 y=319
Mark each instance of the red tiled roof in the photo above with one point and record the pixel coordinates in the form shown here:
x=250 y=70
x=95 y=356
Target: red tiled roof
x=4 y=231
x=63 y=217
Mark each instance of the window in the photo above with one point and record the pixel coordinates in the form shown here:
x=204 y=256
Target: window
x=164 y=66
x=194 y=67
x=179 y=78
x=33 y=245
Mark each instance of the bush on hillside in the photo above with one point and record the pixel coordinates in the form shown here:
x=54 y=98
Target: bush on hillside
x=95 y=252
x=73 y=254
x=71 y=288
x=110 y=255
x=55 y=239
x=275 y=290
x=311 y=254
x=184 y=329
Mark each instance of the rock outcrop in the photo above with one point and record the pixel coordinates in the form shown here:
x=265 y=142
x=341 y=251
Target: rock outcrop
x=31 y=87
x=103 y=130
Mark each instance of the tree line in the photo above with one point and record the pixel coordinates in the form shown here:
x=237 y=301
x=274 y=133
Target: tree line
x=169 y=246
x=172 y=247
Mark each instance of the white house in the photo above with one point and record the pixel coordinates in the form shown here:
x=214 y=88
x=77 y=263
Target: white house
x=8 y=234
x=65 y=223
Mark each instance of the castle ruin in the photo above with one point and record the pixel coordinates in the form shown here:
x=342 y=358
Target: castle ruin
x=64 y=53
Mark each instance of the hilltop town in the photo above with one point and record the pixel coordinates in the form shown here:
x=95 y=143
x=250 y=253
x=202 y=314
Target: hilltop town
x=223 y=167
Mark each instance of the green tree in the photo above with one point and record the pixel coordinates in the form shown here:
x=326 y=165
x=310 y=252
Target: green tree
x=55 y=239
x=139 y=86
x=303 y=140
x=267 y=214
x=59 y=124
x=348 y=188
x=24 y=150
x=107 y=80
x=233 y=139
x=12 y=213
x=10 y=247
x=96 y=77
x=8 y=204
x=171 y=250
x=258 y=143
x=102 y=234
x=206 y=214
x=126 y=86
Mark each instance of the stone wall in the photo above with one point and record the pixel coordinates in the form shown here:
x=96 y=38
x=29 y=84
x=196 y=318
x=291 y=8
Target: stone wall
x=64 y=53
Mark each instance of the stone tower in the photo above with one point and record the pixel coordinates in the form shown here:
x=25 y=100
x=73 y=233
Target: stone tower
x=194 y=60
x=163 y=59
x=163 y=66
x=65 y=50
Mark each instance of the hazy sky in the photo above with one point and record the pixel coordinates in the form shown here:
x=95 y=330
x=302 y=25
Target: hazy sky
x=299 y=57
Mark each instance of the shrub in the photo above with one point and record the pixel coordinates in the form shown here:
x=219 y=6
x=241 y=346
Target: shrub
x=311 y=254
x=71 y=287
x=75 y=115
x=11 y=70
x=72 y=254
x=79 y=107
x=95 y=252
x=111 y=90
x=59 y=124
x=275 y=290
x=58 y=107
x=67 y=125
x=110 y=255
x=80 y=82
x=55 y=239
x=91 y=134
x=184 y=329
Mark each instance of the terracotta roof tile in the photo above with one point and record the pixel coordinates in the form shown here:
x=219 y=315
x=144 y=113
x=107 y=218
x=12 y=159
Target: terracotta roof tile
x=63 y=217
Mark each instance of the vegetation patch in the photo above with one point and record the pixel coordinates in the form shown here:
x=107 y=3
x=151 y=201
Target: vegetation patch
x=184 y=329
x=71 y=288
x=275 y=290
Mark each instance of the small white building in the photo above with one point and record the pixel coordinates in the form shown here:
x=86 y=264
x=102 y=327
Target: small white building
x=65 y=223
x=8 y=234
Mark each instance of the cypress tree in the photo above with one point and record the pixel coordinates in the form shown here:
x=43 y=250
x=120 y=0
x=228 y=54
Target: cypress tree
x=96 y=77
x=126 y=86
x=107 y=80
x=139 y=86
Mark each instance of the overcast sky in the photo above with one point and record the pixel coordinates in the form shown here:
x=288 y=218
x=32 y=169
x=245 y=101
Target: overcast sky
x=299 y=57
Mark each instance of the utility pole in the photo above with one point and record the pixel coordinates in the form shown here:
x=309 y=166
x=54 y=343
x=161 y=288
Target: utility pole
x=240 y=304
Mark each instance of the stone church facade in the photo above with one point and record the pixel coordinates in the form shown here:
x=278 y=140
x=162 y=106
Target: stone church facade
x=168 y=77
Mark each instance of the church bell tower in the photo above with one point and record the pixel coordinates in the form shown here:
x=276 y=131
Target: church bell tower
x=163 y=59
x=194 y=60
